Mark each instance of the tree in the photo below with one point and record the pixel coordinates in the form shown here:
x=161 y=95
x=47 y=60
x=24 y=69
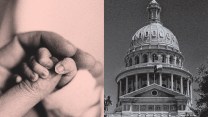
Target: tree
x=107 y=102
x=202 y=79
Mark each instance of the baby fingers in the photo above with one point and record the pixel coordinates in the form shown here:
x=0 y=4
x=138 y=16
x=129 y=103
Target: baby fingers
x=29 y=73
x=44 y=58
x=37 y=68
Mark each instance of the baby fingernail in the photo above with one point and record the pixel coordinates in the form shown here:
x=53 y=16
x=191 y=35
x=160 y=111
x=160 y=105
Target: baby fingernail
x=18 y=79
x=59 y=69
x=35 y=77
x=45 y=74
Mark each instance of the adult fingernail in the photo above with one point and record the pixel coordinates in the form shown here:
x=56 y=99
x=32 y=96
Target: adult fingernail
x=59 y=68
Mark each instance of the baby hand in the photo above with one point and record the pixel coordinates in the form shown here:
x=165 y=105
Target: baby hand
x=42 y=64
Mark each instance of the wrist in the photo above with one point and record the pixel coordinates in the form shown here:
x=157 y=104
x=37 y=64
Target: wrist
x=17 y=98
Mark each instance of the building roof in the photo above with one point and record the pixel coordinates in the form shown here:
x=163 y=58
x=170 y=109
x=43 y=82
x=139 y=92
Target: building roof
x=154 y=33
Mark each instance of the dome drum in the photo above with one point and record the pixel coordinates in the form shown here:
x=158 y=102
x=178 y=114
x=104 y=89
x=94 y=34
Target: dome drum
x=150 y=69
x=147 y=46
x=154 y=56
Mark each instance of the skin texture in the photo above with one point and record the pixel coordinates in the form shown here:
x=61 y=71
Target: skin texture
x=30 y=93
x=38 y=66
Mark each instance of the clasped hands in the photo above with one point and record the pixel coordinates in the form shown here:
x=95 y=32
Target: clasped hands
x=48 y=61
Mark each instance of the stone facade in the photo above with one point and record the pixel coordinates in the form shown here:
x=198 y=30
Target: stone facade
x=154 y=81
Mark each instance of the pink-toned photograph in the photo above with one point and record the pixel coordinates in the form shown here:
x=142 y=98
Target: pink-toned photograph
x=51 y=58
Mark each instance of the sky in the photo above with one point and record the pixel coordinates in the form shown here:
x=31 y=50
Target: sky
x=187 y=19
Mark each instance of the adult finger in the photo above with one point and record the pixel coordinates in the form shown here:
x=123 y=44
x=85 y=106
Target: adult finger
x=56 y=44
x=27 y=43
x=97 y=69
x=28 y=73
x=68 y=68
x=97 y=73
x=84 y=60
x=44 y=58
x=38 y=69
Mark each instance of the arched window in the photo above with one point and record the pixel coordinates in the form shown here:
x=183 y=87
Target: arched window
x=130 y=62
x=127 y=62
x=163 y=58
x=171 y=59
x=146 y=35
x=137 y=59
x=177 y=61
x=154 y=58
x=144 y=58
x=154 y=34
x=161 y=34
x=140 y=35
x=123 y=86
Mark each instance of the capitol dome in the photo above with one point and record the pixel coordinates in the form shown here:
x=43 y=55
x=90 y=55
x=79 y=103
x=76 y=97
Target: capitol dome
x=154 y=35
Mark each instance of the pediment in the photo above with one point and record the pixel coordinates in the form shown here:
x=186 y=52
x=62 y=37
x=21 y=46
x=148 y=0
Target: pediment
x=153 y=90
x=154 y=93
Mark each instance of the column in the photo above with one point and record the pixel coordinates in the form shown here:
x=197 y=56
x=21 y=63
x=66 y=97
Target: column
x=120 y=87
x=136 y=79
x=131 y=107
x=181 y=85
x=191 y=93
x=171 y=81
x=133 y=60
x=160 y=79
x=188 y=87
x=176 y=83
x=180 y=62
x=168 y=59
x=149 y=58
x=159 y=58
x=175 y=60
x=126 y=85
x=140 y=82
x=140 y=58
x=148 y=79
x=118 y=91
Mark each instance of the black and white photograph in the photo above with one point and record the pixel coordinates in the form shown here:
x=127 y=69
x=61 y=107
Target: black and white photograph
x=156 y=58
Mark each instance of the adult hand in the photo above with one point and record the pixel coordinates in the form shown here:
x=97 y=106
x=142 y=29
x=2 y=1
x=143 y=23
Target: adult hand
x=27 y=43
x=29 y=93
